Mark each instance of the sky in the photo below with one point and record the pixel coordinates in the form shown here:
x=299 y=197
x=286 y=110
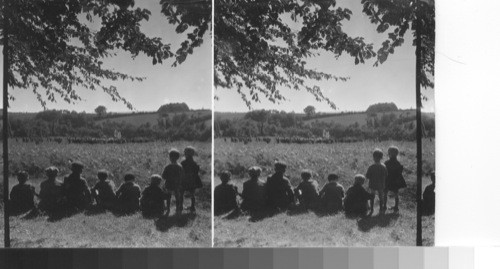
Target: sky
x=189 y=82
x=393 y=81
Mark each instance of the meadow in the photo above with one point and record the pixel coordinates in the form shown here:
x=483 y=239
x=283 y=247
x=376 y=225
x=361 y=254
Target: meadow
x=106 y=229
x=309 y=229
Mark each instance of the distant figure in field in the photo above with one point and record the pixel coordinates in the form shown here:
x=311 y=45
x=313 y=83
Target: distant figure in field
x=279 y=191
x=104 y=191
x=22 y=195
x=225 y=195
x=332 y=194
x=307 y=191
x=254 y=192
x=128 y=195
x=192 y=180
x=395 y=179
x=76 y=190
x=356 y=200
x=153 y=198
x=51 y=192
x=429 y=197
x=173 y=175
x=377 y=175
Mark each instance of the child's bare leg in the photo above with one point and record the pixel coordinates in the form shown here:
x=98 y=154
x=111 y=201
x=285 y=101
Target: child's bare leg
x=372 y=201
x=381 y=199
x=396 y=200
x=193 y=201
x=169 y=197
x=385 y=198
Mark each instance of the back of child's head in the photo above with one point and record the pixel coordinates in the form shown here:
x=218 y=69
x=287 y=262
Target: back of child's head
x=359 y=179
x=155 y=179
x=333 y=177
x=174 y=154
x=254 y=171
x=225 y=176
x=51 y=171
x=77 y=167
x=433 y=176
x=129 y=177
x=102 y=174
x=378 y=154
x=22 y=176
x=280 y=166
x=393 y=151
x=189 y=151
x=306 y=174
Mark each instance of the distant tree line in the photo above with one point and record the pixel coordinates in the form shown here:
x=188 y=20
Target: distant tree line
x=64 y=123
x=378 y=126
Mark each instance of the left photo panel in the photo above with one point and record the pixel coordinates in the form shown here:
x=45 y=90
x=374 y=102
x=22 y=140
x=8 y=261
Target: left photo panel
x=107 y=123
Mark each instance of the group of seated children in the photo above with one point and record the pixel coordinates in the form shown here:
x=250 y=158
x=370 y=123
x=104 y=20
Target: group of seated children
x=73 y=194
x=277 y=194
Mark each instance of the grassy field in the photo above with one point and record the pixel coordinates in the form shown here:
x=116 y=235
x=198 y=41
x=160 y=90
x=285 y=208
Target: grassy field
x=106 y=229
x=308 y=229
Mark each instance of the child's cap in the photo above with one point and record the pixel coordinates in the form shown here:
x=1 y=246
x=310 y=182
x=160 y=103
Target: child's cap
x=377 y=153
x=174 y=153
x=332 y=177
x=306 y=174
x=359 y=179
x=102 y=174
x=190 y=151
x=51 y=171
x=279 y=165
x=76 y=165
x=393 y=150
x=22 y=175
x=129 y=177
x=225 y=175
x=254 y=171
x=155 y=179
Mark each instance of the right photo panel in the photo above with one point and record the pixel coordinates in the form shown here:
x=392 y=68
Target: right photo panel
x=324 y=123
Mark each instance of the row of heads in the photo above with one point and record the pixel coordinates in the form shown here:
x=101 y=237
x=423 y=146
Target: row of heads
x=392 y=151
x=176 y=154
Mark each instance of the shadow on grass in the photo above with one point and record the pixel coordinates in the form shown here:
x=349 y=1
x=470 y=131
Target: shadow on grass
x=365 y=224
x=164 y=223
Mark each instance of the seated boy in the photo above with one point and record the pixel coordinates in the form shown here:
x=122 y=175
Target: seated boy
x=279 y=191
x=332 y=194
x=104 y=191
x=307 y=191
x=356 y=200
x=253 y=194
x=22 y=195
x=225 y=195
x=429 y=197
x=51 y=192
x=128 y=195
x=153 y=198
x=76 y=191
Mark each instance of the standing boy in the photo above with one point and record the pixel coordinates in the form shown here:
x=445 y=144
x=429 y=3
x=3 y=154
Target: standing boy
x=376 y=175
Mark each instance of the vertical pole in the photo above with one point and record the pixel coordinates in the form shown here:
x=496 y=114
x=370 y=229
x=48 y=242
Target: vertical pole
x=5 y=124
x=418 y=52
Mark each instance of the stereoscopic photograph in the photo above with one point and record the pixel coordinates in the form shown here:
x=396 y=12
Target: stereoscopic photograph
x=109 y=123
x=324 y=123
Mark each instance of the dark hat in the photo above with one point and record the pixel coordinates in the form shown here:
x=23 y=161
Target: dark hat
x=51 y=171
x=225 y=175
x=359 y=179
x=190 y=151
x=129 y=177
x=333 y=176
x=102 y=174
x=174 y=153
x=306 y=174
x=76 y=165
x=22 y=175
x=155 y=178
x=279 y=165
